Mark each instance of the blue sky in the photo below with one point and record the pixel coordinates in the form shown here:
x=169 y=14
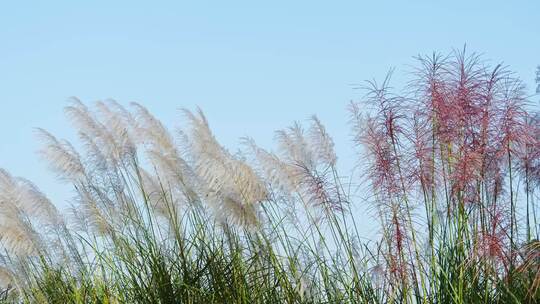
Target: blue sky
x=252 y=67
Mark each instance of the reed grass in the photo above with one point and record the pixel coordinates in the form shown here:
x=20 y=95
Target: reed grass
x=451 y=167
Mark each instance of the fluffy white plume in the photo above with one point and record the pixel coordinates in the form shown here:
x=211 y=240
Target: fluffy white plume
x=321 y=142
x=61 y=156
x=94 y=154
x=304 y=168
x=150 y=131
x=16 y=236
x=20 y=202
x=156 y=194
x=83 y=119
x=111 y=135
x=33 y=202
x=23 y=196
x=90 y=215
x=6 y=278
x=295 y=147
x=276 y=172
x=307 y=151
x=231 y=186
x=118 y=121
x=174 y=172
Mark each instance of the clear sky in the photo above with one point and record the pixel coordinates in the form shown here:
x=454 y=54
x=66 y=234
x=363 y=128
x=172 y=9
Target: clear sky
x=252 y=67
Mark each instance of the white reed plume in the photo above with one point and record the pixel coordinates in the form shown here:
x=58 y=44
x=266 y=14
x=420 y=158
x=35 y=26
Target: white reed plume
x=118 y=122
x=94 y=154
x=125 y=115
x=150 y=131
x=308 y=162
x=25 y=197
x=16 y=236
x=231 y=209
x=34 y=203
x=88 y=214
x=231 y=186
x=83 y=119
x=20 y=203
x=7 y=278
x=155 y=194
x=275 y=171
x=8 y=193
x=321 y=142
x=115 y=149
x=295 y=147
x=174 y=172
x=61 y=156
x=307 y=151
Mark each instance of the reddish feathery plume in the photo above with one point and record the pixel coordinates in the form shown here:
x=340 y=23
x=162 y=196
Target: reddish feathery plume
x=493 y=243
x=422 y=156
x=318 y=189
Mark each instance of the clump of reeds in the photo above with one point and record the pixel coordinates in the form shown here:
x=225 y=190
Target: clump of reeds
x=452 y=165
